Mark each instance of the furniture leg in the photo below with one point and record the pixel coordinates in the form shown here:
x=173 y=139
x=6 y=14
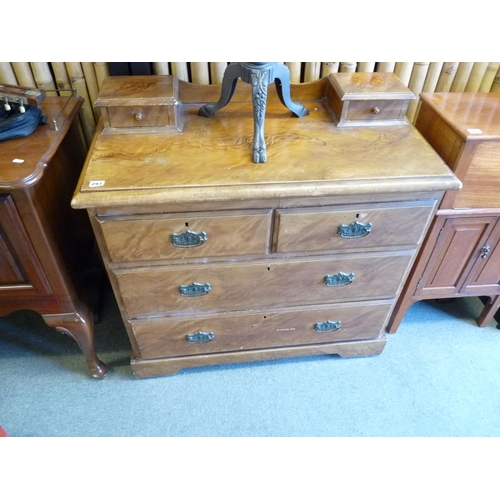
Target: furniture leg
x=79 y=326
x=489 y=311
x=398 y=313
x=229 y=81
x=282 y=83
x=259 y=99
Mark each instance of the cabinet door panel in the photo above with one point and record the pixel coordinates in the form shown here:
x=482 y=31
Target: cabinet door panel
x=454 y=255
x=20 y=270
x=484 y=277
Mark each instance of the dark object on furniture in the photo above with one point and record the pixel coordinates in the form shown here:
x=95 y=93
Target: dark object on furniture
x=44 y=243
x=259 y=75
x=461 y=255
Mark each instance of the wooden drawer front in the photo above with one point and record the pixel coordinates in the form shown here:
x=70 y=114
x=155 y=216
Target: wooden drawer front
x=139 y=239
x=177 y=337
x=376 y=110
x=266 y=284
x=141 y=116
x=318 y=229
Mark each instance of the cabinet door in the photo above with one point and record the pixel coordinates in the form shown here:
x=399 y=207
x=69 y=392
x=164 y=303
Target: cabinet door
x=20 y=271
x=456 y=251
x=484 y=278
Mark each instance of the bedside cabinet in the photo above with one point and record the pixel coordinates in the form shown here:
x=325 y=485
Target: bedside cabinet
x=215 y=259
x=461 y=256
x=43 y=242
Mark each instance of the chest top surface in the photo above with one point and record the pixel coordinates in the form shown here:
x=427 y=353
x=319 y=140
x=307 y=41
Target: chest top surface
x=474 y=116
x=210 y=158
x=23 y=160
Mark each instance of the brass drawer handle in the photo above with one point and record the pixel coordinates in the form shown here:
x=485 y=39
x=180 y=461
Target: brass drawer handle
x=200 y=337
x=327 y=326
x=138 y=116
x=339 y=279
x=375 y=110
x=355 y=230
x=194 y=289
x=188 y=239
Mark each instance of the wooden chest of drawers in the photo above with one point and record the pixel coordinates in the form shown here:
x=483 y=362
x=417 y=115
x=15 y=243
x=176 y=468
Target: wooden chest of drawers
x=215 y=259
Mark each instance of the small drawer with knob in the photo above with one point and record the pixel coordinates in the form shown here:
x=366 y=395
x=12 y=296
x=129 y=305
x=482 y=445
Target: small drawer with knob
x=192 y=236
x=141 y=116
x=353 y=228
x=139 y=104
x=364 y=99
x=181 y=336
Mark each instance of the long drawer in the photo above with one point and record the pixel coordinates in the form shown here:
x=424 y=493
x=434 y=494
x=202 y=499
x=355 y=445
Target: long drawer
x=157 y=237
x=356 y=228
x=266 y=283
x=222 y=333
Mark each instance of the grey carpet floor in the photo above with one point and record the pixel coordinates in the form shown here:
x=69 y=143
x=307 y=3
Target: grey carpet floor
x=439 y=375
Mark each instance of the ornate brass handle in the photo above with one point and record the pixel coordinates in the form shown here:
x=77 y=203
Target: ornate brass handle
x=327 y=326
x=194 y=289
x=485 y=251
x=355 y=230
x=200 y=337
x=339 y=279
x=188 y=239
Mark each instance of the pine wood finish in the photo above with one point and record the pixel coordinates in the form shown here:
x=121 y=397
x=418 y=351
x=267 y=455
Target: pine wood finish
x=271 y=230
x=43 y=242
x=461 y=255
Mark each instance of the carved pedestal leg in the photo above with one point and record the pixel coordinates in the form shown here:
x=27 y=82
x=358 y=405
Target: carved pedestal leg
x=259 y=75
x=282 y=83
x=229 y=81
x=79 y=326
x=259 y=99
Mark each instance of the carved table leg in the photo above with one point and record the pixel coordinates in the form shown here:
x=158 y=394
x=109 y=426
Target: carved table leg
x=282 y=84
x=259 y=75
x=79 y=326
x=259 y=99
x=229 y=81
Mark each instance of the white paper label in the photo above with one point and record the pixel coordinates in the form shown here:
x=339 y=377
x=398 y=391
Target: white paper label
x=94 y=184
x=17 y=160
x=474 y=131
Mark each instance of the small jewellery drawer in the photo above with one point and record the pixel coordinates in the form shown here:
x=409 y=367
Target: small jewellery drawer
x=376 y=110
x=353 y=228
x=227 y=286
x=157 y=237
x=141 y=116
x=222 y=333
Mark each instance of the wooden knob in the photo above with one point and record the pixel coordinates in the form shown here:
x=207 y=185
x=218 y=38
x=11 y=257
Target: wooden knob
x=138 y=116
x=375 y=110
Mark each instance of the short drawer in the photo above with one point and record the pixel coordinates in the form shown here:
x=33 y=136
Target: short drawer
x=141 y=116
x=375 y=110
x=352 y=228
x=227 y=286
x=166 y=337
x=147 y=238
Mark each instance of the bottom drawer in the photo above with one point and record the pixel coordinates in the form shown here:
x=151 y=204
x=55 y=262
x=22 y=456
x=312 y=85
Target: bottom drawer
x=164 y=337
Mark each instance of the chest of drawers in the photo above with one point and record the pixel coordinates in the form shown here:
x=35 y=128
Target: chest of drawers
x=215 y=259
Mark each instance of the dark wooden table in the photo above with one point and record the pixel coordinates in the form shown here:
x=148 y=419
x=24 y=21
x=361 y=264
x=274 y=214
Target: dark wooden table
x=45 y=245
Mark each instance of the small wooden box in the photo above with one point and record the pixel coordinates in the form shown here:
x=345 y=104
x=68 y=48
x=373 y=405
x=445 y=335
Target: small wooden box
x=364 y=99
x=139 y=104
